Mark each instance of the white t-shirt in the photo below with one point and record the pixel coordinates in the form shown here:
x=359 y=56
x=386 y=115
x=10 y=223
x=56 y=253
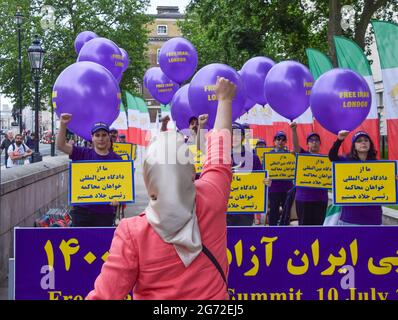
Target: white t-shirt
x=16 y=150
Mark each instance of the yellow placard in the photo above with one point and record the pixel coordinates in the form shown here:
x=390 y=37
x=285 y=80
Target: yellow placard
x=248 y=192
x=125 y=156
x=253 y=143
x=280 y=165
x=261 y=150
x=313 y=171
x=101 y=182
x=370 y=182
x=122 y=148
x=198 y=158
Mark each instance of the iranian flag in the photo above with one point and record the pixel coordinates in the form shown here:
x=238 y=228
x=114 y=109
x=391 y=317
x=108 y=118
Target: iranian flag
x=319 y=63
x=133 y=112
x=144 y=122
x=351 y=56
x=387 y=45
x=120 y=124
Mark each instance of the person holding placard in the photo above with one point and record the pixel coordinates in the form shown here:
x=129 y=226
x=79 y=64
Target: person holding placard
x=246 y=160
x=278 y=190
x=362 y=149
x=94 y=215
x=311 y=203
x=158 y=254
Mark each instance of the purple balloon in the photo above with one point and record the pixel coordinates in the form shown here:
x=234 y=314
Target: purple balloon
x=104 y=52
x=340 y=100
x=160 y=86
x=288 y=87
x=90 y=93
x=249 y=103
x=82 y=38
x=180 y=109
x=178 y=59
x=125 y=59
x=253 y=74
x=202 y=97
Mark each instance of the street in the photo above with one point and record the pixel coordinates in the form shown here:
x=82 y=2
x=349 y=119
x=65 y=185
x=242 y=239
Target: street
x=45 y=150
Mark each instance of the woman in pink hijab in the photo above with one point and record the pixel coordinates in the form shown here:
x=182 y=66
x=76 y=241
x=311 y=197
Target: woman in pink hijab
x=176 y=249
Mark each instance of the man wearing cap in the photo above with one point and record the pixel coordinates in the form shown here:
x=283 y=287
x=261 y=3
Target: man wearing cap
x=122 y=138
x=311 y=203
x=89 y=215
x=113 y=133
x=277 y=193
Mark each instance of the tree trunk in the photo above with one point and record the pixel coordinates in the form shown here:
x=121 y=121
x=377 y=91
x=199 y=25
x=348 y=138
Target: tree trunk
x=334 y=28
x=370 y=7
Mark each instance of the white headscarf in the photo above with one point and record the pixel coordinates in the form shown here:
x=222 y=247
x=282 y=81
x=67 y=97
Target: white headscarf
x=169 y=181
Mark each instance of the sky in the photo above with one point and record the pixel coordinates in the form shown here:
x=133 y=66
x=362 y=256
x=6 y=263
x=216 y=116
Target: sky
x=180 y=3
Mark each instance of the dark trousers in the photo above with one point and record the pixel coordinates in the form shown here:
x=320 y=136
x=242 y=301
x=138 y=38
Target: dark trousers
x=240 y=219
x=276 y=200
x=311 y=213
x=83 y=218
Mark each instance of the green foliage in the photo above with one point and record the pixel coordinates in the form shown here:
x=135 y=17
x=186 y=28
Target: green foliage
x=122 y=21
x=232 y=31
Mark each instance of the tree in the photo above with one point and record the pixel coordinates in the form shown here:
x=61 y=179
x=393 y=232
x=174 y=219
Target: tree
x=122 y=21
x=231 y=31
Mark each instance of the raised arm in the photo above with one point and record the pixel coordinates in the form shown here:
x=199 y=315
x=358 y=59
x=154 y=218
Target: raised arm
x=201 y=137
x=225 y=92
x=65 y=118
x=334 y=151
x=296 y=145
x=216 y=174
x=165 y=120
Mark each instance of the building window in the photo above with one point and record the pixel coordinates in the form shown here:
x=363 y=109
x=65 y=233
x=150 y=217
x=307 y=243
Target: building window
x=157 y=56
x=162 y=29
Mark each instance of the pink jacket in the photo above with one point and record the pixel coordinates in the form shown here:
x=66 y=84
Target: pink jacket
x=141 y=261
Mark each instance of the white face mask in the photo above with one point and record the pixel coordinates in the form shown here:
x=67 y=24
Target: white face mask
x=171 y=209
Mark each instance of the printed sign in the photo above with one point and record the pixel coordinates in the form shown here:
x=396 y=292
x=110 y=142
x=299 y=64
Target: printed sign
x=260 y=152
x=369 y=182
x=313 y=171
x=265 y=263
x=122 y=148
x=93 y=182
x=198 y=158
x=280 y=165
x=248 y=192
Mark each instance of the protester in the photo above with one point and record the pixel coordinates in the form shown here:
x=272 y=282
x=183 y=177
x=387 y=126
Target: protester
x=260 y=143
x=158 y=254
x=18 y=152
x=7 y=141
x=311 y=203
x=362 y=149
x=193 y=131
x=113 y=133
x=248 y=160
x=277 y=193
x=99 y=215
x=122 y=138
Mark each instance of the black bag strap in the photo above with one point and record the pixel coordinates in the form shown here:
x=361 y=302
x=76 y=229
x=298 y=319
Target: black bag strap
x=215 y=262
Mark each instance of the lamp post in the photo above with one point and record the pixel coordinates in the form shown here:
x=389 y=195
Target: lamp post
x=19 y=20
x=36 y=58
